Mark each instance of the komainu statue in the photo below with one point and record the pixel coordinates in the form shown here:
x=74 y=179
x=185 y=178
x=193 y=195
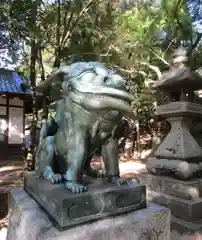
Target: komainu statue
x=90 y=101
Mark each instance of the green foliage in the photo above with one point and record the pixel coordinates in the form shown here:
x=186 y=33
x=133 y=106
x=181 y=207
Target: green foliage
x=143 y=50
x=132 y=42
x=144 y=106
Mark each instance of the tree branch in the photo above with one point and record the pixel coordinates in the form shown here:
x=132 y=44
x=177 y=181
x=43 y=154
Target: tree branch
x=195 y=44
x=131 y=71
x=66 y=31
x=58 y=29
x=159 y=57
x=153 y=68
x=74 y=23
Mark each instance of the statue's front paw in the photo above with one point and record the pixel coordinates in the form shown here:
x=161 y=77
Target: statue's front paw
x=75 y=187
x=117 y=180
x=51 y=176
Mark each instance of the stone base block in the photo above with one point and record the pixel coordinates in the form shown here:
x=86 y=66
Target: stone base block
x=101 y=200
x=183 y=230
x=181 y=226
x=28 y=221
x=184 y=209
x=188 y=190
x=183 y=198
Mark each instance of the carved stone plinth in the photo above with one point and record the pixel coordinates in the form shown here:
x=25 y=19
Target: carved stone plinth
x=179 y=154
x=179 y=144
x=101 y=200
x=183 y=198
x=27 y=221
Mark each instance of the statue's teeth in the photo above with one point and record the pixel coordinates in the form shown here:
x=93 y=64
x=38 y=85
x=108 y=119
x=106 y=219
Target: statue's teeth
x=100 y=97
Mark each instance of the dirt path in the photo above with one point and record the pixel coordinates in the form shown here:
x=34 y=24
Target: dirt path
x=10 y=176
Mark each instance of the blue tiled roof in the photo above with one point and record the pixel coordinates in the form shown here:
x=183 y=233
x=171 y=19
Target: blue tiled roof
x=12 y=82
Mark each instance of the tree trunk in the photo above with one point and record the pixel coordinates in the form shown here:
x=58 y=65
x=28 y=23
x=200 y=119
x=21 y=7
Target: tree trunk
x=30 y=161
x=34 y=52
x=41 y=66
x=137 y=125
x=58 y=36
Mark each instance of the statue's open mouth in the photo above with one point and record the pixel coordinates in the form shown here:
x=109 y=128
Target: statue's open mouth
x=113 y=99
x=100 y=97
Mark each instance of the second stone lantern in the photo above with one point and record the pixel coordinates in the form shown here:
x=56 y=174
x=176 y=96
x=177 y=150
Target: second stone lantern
x=179 y=154
x=174 y=177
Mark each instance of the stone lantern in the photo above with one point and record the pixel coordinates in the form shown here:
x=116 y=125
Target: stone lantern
x=179 y=152
x=175 y=167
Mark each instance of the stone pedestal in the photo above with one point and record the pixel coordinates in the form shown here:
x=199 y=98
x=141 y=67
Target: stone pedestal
x=102 y=199
x=28 y=221
x=183 y=198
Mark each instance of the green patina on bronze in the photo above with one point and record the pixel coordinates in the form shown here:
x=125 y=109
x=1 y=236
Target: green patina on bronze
x=90 y=101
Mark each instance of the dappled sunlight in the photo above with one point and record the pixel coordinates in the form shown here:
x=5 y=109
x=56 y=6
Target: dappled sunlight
x=132 y=167
x=3 y=229
x=12 y=177
x=14 y=131
x=97 y=163
x=125 y=167
x=145 y=153
x=9 y=168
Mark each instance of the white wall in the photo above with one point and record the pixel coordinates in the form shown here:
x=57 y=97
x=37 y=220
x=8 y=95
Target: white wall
x=16 y=118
